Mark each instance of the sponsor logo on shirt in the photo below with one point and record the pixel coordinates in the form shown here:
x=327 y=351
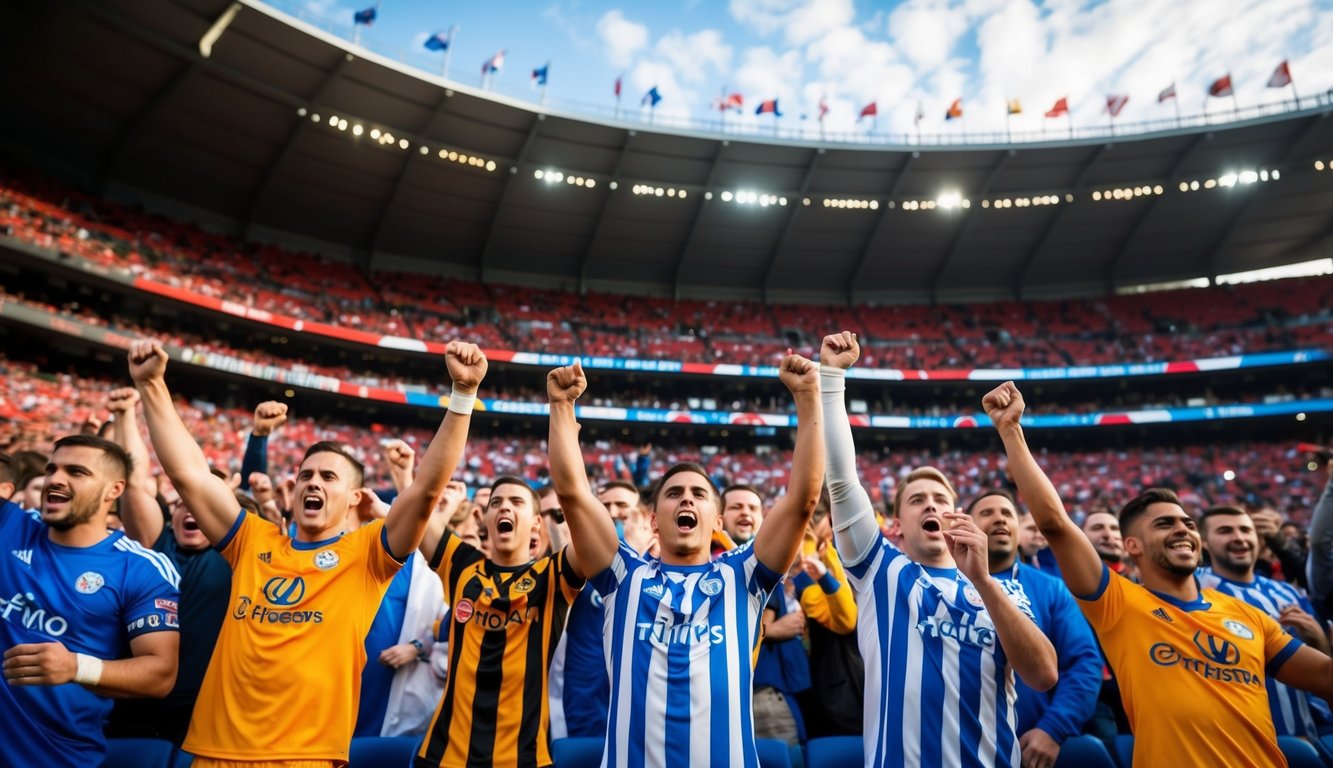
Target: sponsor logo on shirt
x=166 y=605
x=22 y=608
x=24 y=555
x=1219 y=656
x=326 y=559
x=663 y=633
x=246 y=610
x=490 y=619
x=173 y=620
x=1238 y=629
x=963 y=629
x=463 y=611
x=282 y=591
x=89 y=582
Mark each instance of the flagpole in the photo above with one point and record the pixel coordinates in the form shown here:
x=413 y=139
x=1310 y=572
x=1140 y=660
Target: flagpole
x=449 y=51
x=546 y=81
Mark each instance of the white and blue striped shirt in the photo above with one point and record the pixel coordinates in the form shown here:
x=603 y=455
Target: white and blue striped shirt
x=679 y=642
x=1291 y=707
x=939 y=690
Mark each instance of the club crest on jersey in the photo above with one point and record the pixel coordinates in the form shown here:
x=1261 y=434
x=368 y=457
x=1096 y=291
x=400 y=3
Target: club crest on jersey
x=972 y=596
x=326 y=559
x=463 y=611
x=710 y=587
x=524 y=585
x=1238 y=629
x=89 y=582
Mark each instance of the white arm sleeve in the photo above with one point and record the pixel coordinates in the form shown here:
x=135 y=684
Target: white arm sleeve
x=854 y=530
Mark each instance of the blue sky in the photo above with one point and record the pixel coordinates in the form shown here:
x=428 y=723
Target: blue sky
x=851 y=52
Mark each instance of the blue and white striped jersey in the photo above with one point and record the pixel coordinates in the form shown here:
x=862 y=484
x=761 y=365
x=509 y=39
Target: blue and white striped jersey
x=939 y=690
x=679 y=641
x=1294 y=711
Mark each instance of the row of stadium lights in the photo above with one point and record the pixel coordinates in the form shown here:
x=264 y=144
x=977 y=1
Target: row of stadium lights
x=1230 y=180
x=387 y=139
x=1319 y=165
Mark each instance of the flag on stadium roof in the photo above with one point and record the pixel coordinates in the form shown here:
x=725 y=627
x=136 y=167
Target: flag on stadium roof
x=651 y=98
x=869 y=110
x=539 y=74
x=1060 y=107
x=1168 y=92
x=767 y=106
x=1014 y=107
x=920 y=113
x=823 y=107
x=1221 y=86
x=366 y=16
x=437 y=42
x=1281 y=76
x=494 y=63
x=1115 y=103
x=955 y=110
x=730 y=101
x=616 y=88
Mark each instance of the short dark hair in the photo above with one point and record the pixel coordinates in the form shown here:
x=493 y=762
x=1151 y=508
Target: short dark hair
x=1220 y=511
x=1133 y=510
x=740 y=487
x=332 y=446
x=625 y=484
x=118 y=457
x=9 y=473
x=685 y=466
x=512 y=480
x=1002 y=493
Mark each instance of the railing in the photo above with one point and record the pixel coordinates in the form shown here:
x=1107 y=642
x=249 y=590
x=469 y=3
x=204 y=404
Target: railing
x=751 y=126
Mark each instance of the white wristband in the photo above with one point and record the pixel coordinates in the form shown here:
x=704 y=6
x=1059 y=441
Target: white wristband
x=89 y=670
x=461 y=404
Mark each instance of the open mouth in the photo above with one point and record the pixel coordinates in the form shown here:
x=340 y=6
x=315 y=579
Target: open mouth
x=312 y=503
x=1182 y=546
x=932 y=525
x=56 y=499
x=189 y=524
x=686 y=521
x=504 y=525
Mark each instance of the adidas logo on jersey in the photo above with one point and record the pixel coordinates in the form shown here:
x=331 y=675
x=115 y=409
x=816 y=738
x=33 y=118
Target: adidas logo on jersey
x=23 y=554
x=266 y=557
x=654 y=590
x=1163 y=615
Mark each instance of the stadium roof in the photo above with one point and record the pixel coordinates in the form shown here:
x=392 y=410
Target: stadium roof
x=281 y=132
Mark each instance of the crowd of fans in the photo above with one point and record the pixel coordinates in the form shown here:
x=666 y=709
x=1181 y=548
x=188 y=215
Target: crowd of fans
x=1176 y=325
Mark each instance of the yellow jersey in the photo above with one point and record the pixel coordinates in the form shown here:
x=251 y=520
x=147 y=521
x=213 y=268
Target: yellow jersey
x=285 y=678
x=1191 y=674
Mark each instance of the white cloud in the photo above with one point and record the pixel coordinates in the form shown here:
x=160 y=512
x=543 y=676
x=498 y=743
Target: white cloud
x=800 y=21
x=677 y=100
x=695 y=55
x=623 y=38
x=926 y=32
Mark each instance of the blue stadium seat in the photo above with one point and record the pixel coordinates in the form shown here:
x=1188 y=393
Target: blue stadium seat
x=1299 y=753
x=1084 y=752
x=835 y=752
x=577 y=752
x=138 y=753
x=773 y=753
x=1124 y=750
x=383 y=751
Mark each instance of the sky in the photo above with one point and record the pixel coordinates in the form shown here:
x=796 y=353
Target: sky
x=903 y=56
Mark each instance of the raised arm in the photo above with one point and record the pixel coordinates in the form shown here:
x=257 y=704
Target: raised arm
x=269 y=415
x=405 y=525
x=1080 y=565
x=854 y=527
x=139 y=512
x=780 y=536
x=1028 y=650
x=592 y=534
x=210 y=500
x=401 y=461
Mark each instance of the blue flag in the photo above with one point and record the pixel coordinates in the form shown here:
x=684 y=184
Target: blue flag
x=651 y=98
x=539 y=74
x=366 y=16
x=437 y=42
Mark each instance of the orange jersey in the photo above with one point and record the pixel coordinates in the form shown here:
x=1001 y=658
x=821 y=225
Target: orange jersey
x=504 y=624
x=1191 y=674
x=285 y=677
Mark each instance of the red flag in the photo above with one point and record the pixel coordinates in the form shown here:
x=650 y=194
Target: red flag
x=869 y=110
x=1281 y=76
x=1221 y=86
x=617 y=88
x=1168 y=92
x=730 y=101
x=823 y=107
x=955 y=110
x=1060 y=107
x=1115 y=103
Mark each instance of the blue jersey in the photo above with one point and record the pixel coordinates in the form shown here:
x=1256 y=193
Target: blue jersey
x=679 y=642
x=579 y=688
x=93 y=600
x=939 y=690
x=1295 y=712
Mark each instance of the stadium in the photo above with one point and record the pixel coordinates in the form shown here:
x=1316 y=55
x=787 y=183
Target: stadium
x=303 y=220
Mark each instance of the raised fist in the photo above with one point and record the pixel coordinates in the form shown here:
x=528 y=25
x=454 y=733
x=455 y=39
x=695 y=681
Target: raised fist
x=564 y=385
x=269 y=415
x=148 y=361
x=839 y=350
x=798 y=374
x=1004 y=405
x=467 y=365
x=121 y=401
x=399 y=455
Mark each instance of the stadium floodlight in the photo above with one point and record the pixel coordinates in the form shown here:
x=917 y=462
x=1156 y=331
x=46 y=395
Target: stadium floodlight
x=1275 y=175
x=1228 y=475
x=357 y=130
x=1227 y=180
x=1194 y=185
x=726 y=196
x=1300 y=416
x=1318 y=166
x=949 y=199
x=614 y=186
x=1248 y=177
x=490 y=166
x=537 y=174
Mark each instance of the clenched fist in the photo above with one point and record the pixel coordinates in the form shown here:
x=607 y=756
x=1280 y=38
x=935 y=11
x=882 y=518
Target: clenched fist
x=466 y=364
x=565 y=384
x=1004 y=405
x=148 y=361
x=799 y=375
x=269 y=415
x=839 y=350
x=121 y=401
